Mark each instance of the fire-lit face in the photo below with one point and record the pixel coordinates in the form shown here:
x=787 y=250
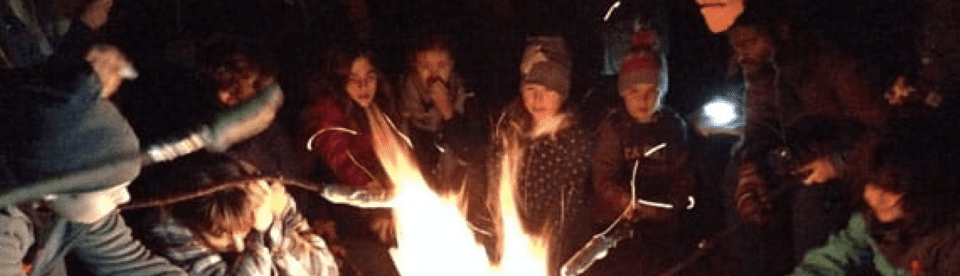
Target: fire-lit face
x=752 y=47
x=226 y=242
x=542 y=102
x=433 y=65
x=720 y=14
x=642 y=101
x=239 y=84
x=362 y=82
x=886 y=205
x=90 y=207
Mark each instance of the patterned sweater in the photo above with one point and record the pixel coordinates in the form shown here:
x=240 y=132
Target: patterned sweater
x=286 y=248
x=553 y=186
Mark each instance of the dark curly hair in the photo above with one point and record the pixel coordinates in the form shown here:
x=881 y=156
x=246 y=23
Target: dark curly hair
x=916 y=158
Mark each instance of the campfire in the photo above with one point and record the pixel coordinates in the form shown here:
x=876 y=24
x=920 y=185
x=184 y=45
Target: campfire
x=433 y=234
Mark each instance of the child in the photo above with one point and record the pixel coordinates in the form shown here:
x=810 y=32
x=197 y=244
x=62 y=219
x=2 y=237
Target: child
x=254 y=219
x=646 y=143
x=444 y=123
x=908 y=225
x=554 y=174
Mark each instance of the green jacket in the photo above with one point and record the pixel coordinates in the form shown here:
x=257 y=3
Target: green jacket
x=105 y=247
x=852 y=249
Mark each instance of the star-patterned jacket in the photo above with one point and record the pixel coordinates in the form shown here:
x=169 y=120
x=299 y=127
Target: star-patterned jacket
x=553 y=183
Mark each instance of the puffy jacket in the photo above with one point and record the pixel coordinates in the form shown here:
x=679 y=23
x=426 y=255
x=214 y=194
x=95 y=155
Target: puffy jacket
x=346 y=148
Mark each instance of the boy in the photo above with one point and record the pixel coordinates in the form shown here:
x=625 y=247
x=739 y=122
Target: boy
x=647 y=144
x=443 y=123
x=254 y=220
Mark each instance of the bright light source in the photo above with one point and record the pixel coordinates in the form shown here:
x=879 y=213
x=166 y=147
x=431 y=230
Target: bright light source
x=720 y=112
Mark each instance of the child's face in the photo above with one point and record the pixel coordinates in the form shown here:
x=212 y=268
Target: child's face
x=90 y=207
x=433 y=65
x=542 y=102
x=242 y=82
x=642 y=101
x=362 y=83
x=886 y=205
x=226 y=242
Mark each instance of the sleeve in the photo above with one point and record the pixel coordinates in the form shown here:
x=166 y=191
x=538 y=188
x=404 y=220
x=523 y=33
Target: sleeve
x=762 y=126
x=255 y=260
x=575 y=227
x=948 y=259
x=175 y=242
x=108 y=248
x=15 y=239
x=333 y=141
x=685 y=182
x=606 y=162
x=295 y=248
x=840 y=254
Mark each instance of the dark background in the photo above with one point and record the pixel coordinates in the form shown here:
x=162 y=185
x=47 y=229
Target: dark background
x=490 y=36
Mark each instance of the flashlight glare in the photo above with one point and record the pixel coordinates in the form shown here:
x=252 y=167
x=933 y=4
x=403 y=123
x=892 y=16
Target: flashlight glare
x=720 y=112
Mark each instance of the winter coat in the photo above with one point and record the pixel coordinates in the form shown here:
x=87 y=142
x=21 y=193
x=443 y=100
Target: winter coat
x=447 y=150
x=813 y=81
x=34 y=242
x=861 y=247
x=341 y=142
x=663 y=236
x=663 y=176
x=553 y=183
x=811 y=101
x=274 y=252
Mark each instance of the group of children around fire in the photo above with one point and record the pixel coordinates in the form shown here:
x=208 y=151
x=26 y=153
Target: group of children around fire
x=70 y=157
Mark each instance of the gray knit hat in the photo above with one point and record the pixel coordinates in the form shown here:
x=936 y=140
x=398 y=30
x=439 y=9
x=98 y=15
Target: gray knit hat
x=547 y=62
x=79 y=145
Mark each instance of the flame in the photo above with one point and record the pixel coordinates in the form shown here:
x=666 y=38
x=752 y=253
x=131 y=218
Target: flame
x=433 y=234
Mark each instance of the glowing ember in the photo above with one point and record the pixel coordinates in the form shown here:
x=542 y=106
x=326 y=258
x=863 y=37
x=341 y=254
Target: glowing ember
x=433 y=235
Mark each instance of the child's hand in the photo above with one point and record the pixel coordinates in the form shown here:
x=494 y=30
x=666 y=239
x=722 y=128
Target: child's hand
x=275 y=198
x=438 y=92
x=278 y=198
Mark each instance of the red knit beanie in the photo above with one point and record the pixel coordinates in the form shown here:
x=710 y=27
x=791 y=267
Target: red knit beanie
x=641 y=65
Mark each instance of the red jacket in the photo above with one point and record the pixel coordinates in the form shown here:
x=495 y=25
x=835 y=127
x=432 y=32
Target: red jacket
x=346 y=148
